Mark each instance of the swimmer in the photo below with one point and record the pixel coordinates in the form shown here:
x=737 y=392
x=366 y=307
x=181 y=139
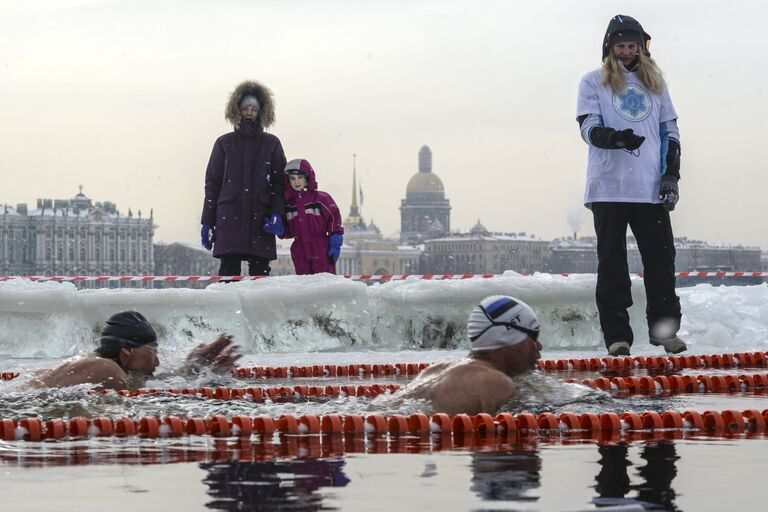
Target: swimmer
x=504 y=332
x=127 y=351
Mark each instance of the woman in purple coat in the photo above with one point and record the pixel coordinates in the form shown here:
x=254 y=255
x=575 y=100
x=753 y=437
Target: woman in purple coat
x=313 y=220
x=244 y=201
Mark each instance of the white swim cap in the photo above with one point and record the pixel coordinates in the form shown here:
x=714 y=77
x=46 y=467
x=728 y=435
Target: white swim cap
x=501 y=321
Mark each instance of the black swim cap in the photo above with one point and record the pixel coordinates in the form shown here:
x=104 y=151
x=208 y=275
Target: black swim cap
x=127 y=329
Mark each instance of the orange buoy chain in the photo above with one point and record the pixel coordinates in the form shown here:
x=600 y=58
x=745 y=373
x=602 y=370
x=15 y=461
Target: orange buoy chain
x=659 y=384
x=678 y=384
x=504 y=424
x=739 y=359
x=274 y=393
x=330 y=370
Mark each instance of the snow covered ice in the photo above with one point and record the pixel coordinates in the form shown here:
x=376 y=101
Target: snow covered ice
x=290 y=314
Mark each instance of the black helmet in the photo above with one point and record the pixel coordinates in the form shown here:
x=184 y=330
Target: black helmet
x=621 y=24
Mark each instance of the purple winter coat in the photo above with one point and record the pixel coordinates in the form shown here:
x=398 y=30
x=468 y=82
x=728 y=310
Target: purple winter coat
x=244 y=180
x=311 y=216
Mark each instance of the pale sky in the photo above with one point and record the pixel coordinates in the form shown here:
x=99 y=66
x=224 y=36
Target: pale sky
x=128 y=97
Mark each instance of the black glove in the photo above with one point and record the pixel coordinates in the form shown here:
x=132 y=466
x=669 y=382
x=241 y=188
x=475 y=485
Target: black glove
x=626 y=139
x=608 y=138
x=669 y=192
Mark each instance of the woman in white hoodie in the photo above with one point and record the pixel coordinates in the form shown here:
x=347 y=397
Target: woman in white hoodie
x=627 y=118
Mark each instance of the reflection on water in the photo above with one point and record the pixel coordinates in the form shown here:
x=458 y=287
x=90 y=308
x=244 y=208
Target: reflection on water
x=321 y=472
x=507 y=475
x=271 y=485
x=654 y=490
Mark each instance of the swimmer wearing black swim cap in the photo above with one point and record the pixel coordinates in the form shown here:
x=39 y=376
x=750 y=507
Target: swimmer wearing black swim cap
x=128 y=348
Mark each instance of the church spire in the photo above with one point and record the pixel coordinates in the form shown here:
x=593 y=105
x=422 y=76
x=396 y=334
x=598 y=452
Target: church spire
x=354 y=219
x=354 y=209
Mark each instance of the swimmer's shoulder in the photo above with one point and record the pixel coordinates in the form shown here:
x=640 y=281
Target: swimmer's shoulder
x=88 y=369
x=434 y=368
x=490 y=377
x=105 y=372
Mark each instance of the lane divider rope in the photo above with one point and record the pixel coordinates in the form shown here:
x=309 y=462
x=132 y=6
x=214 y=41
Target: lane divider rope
x=504 y=424
x=330 y=370
x=595 y=364
x=675 y=362
x=658 y=384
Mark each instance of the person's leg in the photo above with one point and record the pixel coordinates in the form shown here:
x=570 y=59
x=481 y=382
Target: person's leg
x=230 y=265
x=258 y=266
x=614 y=289
x=652 y=228
x=300 y=264
x=322 y=262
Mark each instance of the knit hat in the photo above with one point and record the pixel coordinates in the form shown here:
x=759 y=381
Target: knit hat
x=249 y=100
x=625 y=28
x=501 y=321
x=128 y=329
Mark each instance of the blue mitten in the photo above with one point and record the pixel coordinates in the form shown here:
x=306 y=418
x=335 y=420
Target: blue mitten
x=335 y=241
x=208 y=236
x=274 y=224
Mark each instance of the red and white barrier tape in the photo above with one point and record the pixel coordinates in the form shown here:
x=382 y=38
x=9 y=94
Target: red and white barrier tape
x=360 y=277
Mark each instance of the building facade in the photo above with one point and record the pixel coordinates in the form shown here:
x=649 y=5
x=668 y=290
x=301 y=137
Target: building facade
x=184 y=259
x=425 y=213
x=572 y=255
x=71 y=237
x=481 y=252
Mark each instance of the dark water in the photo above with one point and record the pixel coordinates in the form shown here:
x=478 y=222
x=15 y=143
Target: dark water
x=694 y=473
x=669 y=471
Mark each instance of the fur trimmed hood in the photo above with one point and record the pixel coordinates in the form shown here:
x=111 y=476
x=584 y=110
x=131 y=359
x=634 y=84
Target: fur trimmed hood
x=262 y=93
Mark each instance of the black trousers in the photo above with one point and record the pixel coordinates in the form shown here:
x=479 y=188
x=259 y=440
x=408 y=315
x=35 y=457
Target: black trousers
x=653 y=231
x=230 y=265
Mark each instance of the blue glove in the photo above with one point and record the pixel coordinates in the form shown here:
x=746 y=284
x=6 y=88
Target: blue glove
x=335 y=240
x=208 y=236
x=274 y=224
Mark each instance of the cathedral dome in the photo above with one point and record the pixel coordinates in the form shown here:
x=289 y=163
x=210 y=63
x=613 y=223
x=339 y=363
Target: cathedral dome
x=425 y=185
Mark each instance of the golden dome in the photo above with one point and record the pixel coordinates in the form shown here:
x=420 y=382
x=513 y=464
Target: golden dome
x=425 y=183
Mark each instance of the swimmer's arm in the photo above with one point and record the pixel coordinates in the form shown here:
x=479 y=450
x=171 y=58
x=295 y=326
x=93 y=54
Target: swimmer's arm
x=218 y=356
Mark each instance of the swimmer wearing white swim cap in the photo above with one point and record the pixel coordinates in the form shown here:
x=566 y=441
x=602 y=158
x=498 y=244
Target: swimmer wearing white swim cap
x=504 y=333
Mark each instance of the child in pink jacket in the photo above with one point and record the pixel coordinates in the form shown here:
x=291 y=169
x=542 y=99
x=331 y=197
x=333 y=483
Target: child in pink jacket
x=313 y=221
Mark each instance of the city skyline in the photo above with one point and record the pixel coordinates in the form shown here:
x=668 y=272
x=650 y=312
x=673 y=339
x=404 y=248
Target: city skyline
x=131 y=109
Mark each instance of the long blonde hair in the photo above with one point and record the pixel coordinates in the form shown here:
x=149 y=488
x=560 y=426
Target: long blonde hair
x=647 y=70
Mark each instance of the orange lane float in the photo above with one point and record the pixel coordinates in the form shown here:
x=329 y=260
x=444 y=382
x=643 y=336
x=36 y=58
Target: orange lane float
x=678 y=384
x=594 y=364
x=728 y=421
x=647 y=385
x=714 y=361
x=329 y=370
